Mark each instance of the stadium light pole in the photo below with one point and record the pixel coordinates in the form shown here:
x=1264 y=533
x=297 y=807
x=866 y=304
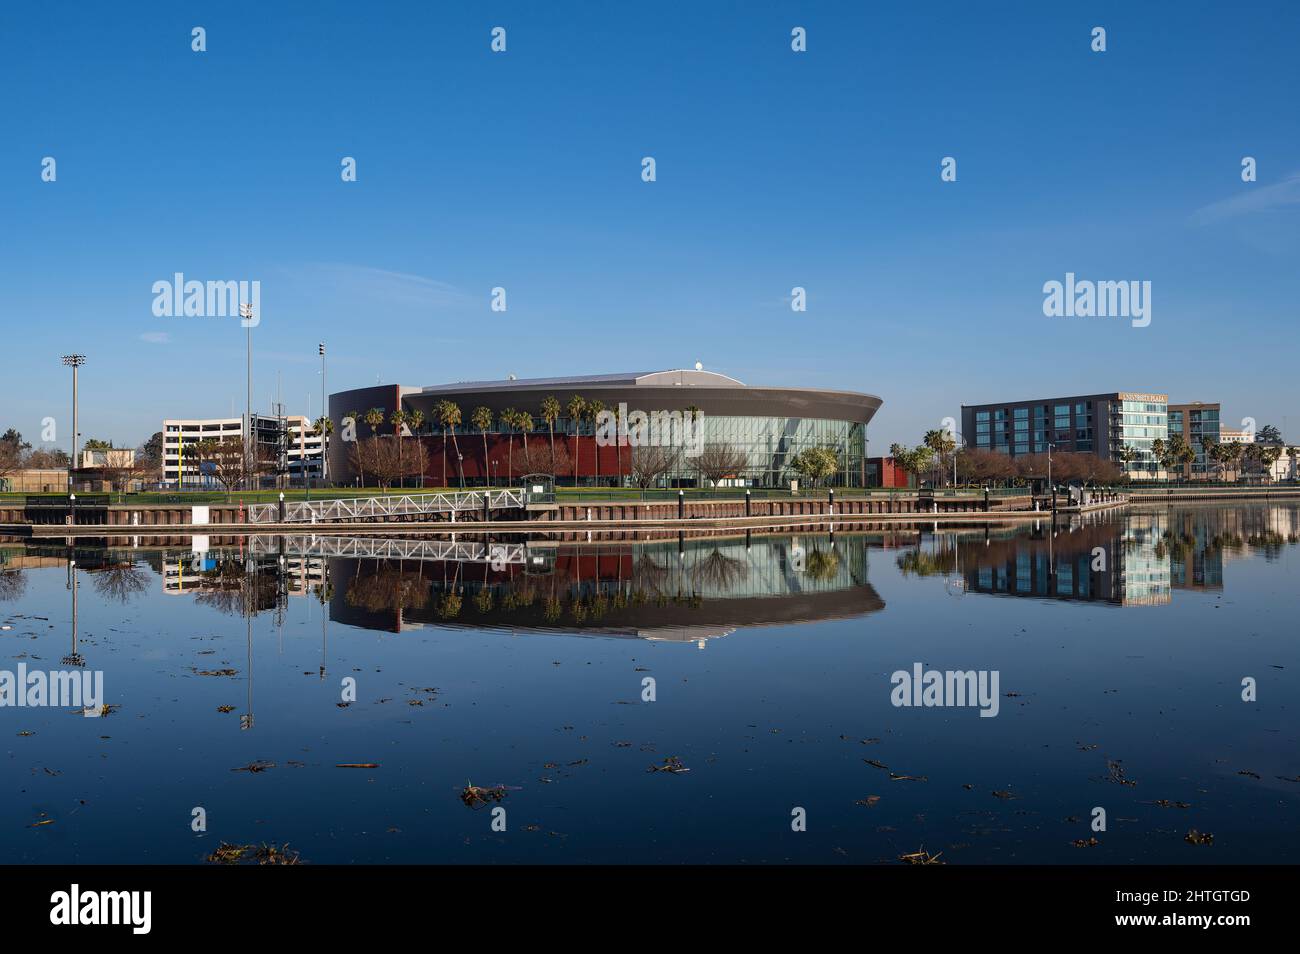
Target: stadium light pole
x=324 y=413
x=73 y=361
x=246 y=314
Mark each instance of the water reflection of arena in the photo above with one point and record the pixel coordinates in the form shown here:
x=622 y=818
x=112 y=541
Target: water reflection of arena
x=688 y=590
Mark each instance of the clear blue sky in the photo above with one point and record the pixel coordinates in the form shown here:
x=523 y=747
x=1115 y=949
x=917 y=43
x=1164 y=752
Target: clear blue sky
x=775 y=169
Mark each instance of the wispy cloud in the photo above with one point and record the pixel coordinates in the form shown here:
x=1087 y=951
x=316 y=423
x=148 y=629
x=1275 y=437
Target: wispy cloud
x=157 y=337
x=380 y=286
x=1254 y=199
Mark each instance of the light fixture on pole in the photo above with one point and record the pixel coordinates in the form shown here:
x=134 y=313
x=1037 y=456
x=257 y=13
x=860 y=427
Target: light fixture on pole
x=74 y=361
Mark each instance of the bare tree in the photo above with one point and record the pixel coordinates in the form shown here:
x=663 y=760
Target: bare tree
x=11 y=458
x=717 y=461
x=383 y=458
x=651 y=463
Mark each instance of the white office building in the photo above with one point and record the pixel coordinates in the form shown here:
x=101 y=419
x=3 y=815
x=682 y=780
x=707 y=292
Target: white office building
x=288 y=446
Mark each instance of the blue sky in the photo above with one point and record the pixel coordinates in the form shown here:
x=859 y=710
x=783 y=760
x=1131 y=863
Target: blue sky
x=522 y=170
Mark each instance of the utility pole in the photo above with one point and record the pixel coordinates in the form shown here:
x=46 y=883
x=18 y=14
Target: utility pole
x=73 y=361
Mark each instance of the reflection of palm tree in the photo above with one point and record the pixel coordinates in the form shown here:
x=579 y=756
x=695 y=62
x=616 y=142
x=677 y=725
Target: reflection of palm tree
x=822 y=564
x=918 y=562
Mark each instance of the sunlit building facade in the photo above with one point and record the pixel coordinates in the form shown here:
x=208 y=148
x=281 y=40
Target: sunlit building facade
x=1120 y=426
x=761 y=428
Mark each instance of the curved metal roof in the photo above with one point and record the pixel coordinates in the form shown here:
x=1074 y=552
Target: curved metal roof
x=714 y=394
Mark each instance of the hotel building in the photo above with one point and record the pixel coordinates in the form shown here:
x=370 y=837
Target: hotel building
x=1101 y=424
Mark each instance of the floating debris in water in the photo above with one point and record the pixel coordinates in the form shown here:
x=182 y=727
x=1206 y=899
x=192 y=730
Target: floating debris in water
x=921 y=857
x=868 y=802
x=1089 y=843
x=228 y=854
x=1195 y=837
x=255 y=767
x=476 y=797
x=224 y=709
x=356 y=765
x=214 y=672
x=671 y=764
x=1115 y=772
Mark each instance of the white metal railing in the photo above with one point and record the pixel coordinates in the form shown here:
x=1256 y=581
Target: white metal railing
x=359 y=509
x=384 y=548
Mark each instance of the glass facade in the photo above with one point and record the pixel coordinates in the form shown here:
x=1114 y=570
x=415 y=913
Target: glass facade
x=768 y=444
x=1028 y=429
x=1139 y=424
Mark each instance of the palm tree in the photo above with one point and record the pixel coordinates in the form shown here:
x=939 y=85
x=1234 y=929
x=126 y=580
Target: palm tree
x=1232 y=455
x=1210 y=448
x=593 y=411
x=941 y=443
x=323 y=428
x=439 y=414
x=481 y=417
x=355 y=417
x=1127 y=454
x=577 y=411
x=449 y=417
x=398 y=420
x=510 y=419
x=525 y=422
x=618 y=446
x=551 y=414
x=375 y=419
x=415 y=419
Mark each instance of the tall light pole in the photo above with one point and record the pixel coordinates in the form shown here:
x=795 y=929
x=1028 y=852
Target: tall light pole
x=246 y=314
x=73 y=361
x=324 y=413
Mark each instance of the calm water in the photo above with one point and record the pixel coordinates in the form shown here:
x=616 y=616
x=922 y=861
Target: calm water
x=1120 y=644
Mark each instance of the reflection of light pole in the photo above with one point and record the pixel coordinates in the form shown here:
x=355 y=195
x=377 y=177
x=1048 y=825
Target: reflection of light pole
x=73 y=361
x=75 y=658
x=324 y=610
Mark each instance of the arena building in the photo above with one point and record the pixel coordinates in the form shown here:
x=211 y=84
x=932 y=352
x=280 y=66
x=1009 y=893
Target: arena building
x=730 y=434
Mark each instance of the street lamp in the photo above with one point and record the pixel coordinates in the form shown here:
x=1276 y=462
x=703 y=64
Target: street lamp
x=73 y=361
